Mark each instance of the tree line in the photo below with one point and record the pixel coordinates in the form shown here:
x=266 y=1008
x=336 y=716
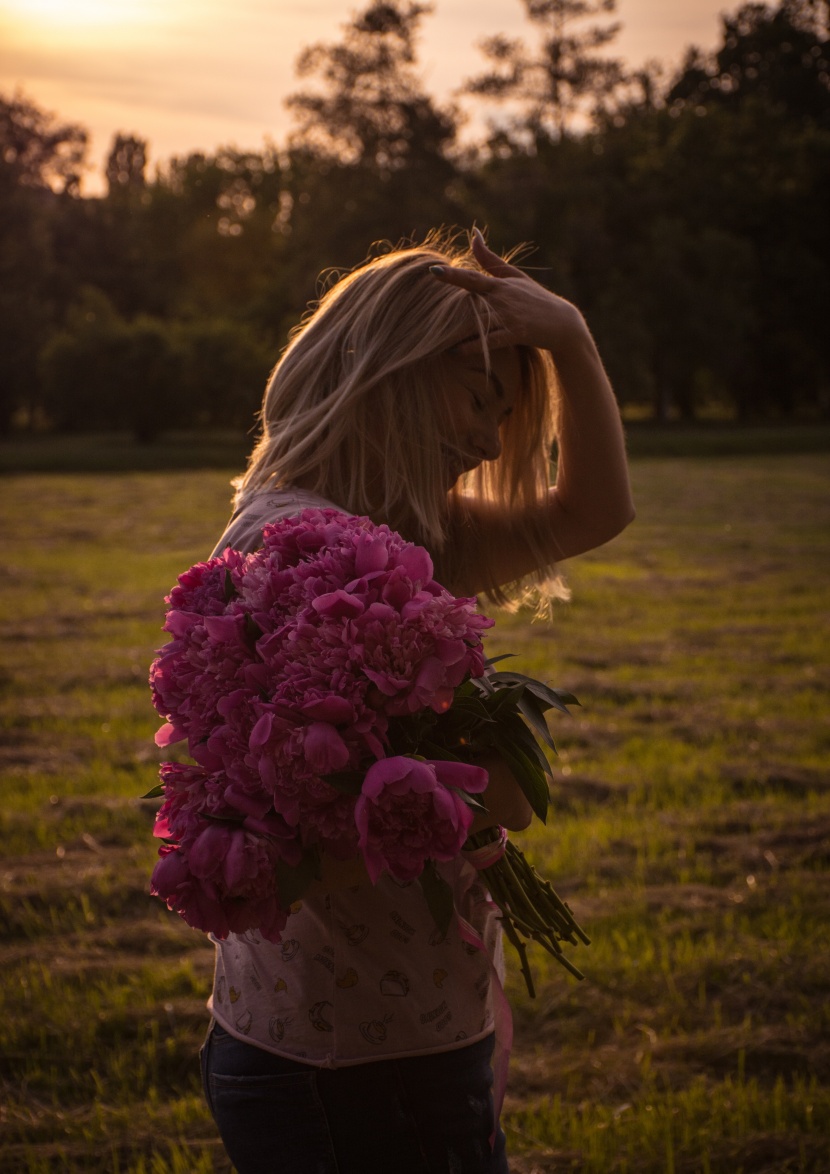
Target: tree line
x=687 y=214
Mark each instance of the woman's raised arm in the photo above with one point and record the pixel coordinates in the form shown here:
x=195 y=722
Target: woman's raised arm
x=591 y=501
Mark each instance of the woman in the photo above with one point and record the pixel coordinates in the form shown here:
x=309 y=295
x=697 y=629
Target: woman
x=424 y=391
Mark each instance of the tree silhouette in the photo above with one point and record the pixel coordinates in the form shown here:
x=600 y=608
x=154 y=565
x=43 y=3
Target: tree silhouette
x=372 y=109
x=558 y=87
x=39 y=158
x=371 y=155
x=126 y=165
x=36 y=150
x=780 y=57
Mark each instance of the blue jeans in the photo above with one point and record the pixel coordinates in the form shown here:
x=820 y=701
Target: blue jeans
x=419 y=1115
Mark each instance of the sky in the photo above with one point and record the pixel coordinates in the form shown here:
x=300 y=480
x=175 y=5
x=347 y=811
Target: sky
x=192 y=75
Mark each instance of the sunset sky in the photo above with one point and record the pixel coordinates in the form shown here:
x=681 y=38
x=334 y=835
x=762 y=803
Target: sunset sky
x=196 y=74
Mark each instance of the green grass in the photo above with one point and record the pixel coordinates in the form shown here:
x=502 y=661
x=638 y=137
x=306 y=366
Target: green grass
x=689 y=831
x=116 y=452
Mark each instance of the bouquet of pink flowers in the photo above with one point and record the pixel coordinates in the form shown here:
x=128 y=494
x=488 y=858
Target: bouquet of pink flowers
x=329 y=691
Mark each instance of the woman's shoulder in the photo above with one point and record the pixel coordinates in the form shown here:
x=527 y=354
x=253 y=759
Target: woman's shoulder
x=244 y=530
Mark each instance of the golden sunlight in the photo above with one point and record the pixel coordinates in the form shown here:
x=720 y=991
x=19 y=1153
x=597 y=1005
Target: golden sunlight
x=86 y=14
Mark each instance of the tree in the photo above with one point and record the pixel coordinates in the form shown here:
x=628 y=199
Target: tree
x=126 y=165
x=101 y=371
x=373 y=110
x=224 y=370
x=41 y=161
x=371 y=157
x=777 y=56
x=752 y=138
x=559 y=88
x=36 y=151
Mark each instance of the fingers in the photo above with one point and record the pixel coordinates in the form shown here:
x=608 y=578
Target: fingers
x=489 y=260
x=469 y=279
x=481 y=283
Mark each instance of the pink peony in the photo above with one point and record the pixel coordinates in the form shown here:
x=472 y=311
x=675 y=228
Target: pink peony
x=407 y=814
x=224 y=881
x=199 y=905
x=284 y=667
x=205 y=587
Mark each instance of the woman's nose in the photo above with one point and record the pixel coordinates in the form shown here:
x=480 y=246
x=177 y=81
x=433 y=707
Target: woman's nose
x=487 y=443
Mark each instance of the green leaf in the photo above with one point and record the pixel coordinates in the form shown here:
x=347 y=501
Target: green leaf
x=554 y=698
x=467 y=709
x=519 y=735
x=157 y=792
x=294 y=880
x=471 y=800
x=528 y=774
x=438 y=896
x=495 y=659
x=504 y=698
x=533 y=714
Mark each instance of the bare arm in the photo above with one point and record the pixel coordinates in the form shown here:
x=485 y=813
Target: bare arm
x=591 y=501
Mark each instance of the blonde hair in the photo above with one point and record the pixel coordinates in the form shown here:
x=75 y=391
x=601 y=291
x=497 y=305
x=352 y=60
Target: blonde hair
x=353 y=409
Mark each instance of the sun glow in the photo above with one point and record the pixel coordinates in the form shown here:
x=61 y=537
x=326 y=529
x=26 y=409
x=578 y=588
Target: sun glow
x=86 y=14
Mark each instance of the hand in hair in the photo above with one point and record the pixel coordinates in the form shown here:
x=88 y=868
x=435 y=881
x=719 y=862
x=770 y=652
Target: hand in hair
x=524 y=312
x=591 y=500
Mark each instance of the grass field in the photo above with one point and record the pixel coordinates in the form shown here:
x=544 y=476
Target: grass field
x=690 y=832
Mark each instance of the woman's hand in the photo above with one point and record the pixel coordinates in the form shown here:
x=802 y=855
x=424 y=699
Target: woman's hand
x=591 y=500
x=504 y=799
x=526 y=314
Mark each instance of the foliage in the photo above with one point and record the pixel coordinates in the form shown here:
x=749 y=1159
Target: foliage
x=565 y=80
x=778 y=55
x=38 y=157
x=147 y=375
x=372 y=155
x=684 y=213
x=373 y=110
x=35 y=150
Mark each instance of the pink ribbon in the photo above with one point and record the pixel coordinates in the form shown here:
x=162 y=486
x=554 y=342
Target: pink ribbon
x=487 y=854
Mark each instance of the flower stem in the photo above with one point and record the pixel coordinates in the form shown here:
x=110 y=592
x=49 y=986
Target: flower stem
x=529 y=906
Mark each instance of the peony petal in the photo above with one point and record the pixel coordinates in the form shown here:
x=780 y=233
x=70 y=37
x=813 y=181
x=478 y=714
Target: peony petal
x=168 y=734
x=336 y=604
x=325 y=751
x=261 y=731
x=329 y=709
x=371 y=554
x=462 y=775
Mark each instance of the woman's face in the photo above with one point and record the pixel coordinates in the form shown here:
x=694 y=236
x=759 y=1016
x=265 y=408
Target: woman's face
x=479 y=401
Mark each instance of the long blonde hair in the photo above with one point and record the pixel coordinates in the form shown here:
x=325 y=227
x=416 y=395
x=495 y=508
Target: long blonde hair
x=359 y=390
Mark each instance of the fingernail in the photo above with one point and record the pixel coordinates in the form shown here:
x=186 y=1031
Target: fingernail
x=438 y=270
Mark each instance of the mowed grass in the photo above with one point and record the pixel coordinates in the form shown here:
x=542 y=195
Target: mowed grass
x=690 y=832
